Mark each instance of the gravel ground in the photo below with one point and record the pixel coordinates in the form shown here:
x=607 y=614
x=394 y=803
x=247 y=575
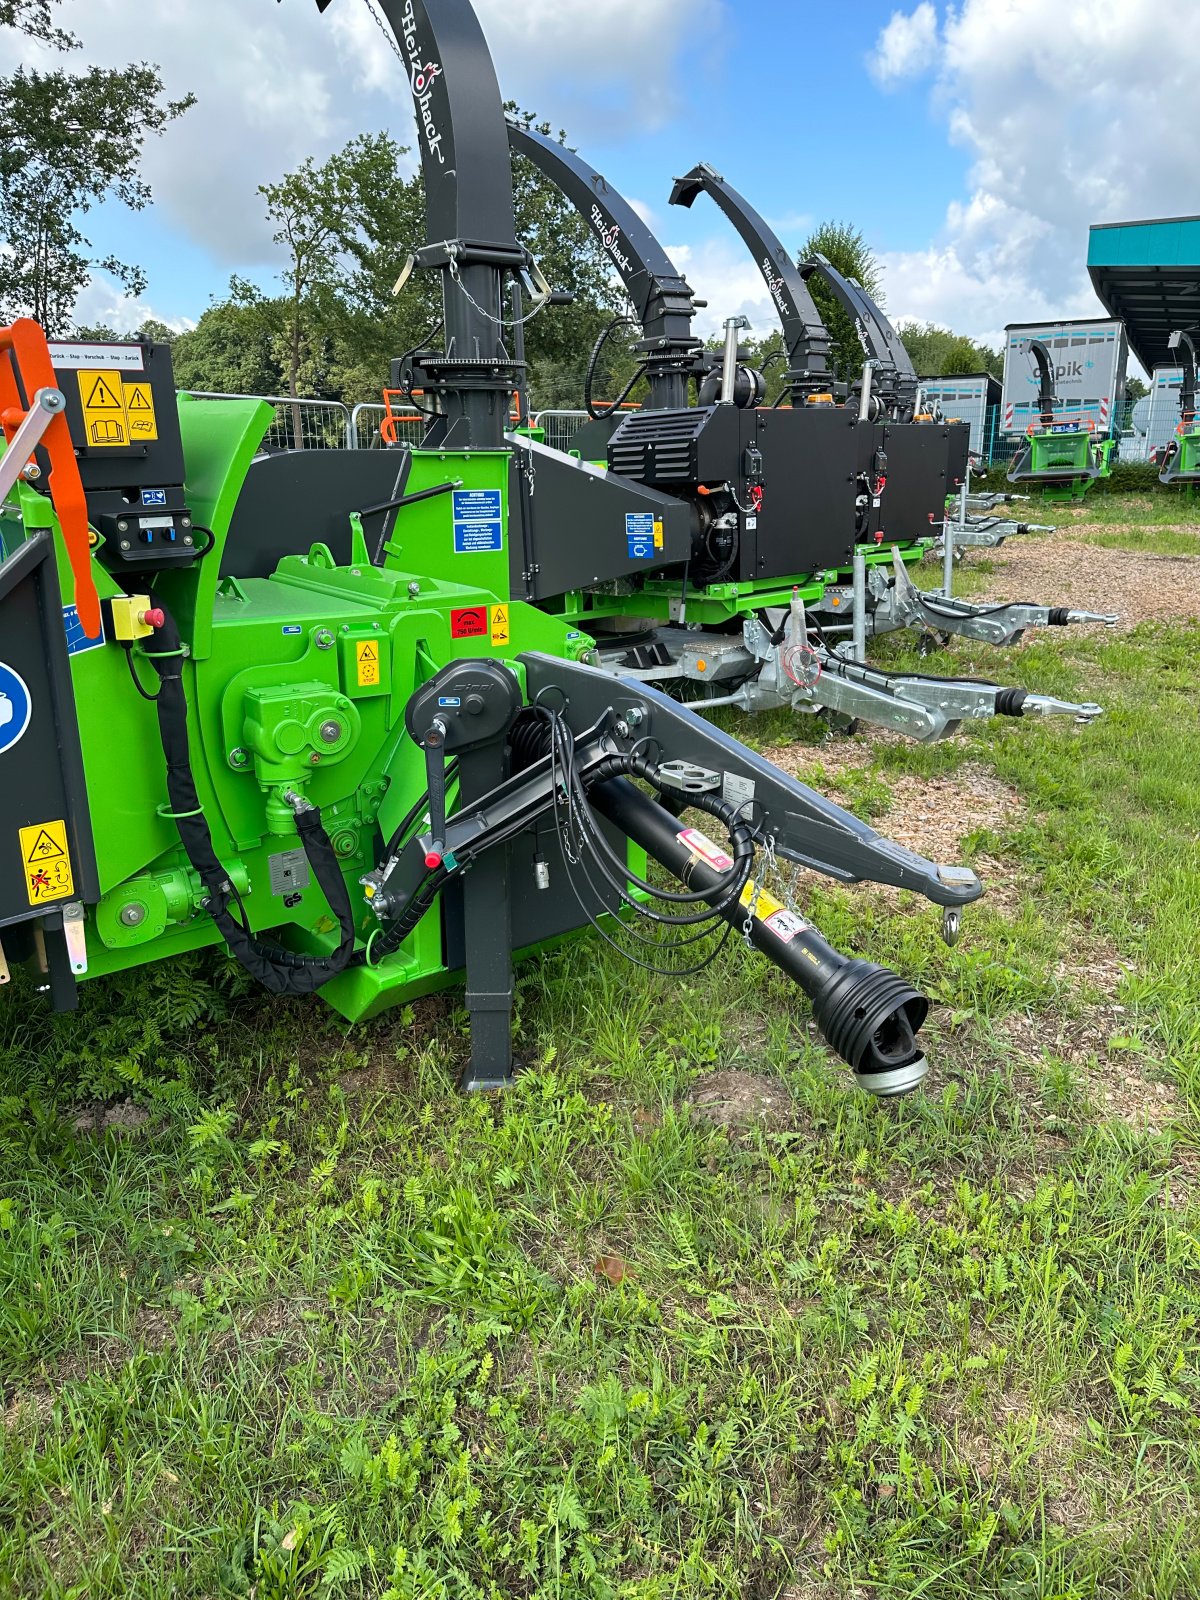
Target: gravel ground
x=1060 y=569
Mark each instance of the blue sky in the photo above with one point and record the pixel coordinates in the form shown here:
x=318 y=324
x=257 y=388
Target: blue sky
x=971 y=157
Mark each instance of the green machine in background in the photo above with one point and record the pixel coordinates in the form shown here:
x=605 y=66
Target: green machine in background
x=362 y=752
x=1062 y=458
x=1180 y=462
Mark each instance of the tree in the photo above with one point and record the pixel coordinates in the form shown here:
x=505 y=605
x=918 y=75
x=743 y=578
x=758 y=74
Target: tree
x=938 y=353
x=63 y=151
x=845 y=248
x=34 y=18
x=235 y=347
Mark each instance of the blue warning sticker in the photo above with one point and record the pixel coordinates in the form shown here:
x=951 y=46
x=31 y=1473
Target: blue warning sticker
x=478 y=521
x=154 y=497
x=291 y=628
x=16 y=708
x=77 y=640
x=639 y=535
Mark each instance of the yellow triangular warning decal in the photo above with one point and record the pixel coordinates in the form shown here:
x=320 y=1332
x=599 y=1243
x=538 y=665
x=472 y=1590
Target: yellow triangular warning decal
x=499 y=617
x=366 y=652
x=137 y=400
x=102 y=398
x=44 y=848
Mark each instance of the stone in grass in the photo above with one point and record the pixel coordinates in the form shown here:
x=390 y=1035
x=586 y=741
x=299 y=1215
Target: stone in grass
x=735 y=1099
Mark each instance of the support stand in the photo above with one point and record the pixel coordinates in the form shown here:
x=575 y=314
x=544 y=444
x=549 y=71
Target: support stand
x=487 y=913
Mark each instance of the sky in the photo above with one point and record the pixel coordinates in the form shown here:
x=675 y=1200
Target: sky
x=973 y=143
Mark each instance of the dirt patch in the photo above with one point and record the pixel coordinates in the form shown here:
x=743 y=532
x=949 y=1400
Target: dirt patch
x=738 y=1099
x=1060 y=569
x=1120 y=1083
x=931 y=816
x=123 y=1119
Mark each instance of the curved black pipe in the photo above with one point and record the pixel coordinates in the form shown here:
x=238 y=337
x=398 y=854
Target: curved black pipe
x=662 y=299
x=895 y=375
x=1183 y=342
x=1046 y=395
x=804 y=333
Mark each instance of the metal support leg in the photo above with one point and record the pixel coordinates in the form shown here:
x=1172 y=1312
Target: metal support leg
x=487 y=914
x=948 y=532
x=859 y=644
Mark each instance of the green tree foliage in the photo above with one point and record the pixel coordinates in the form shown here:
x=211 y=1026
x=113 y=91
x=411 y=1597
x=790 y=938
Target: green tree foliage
x=35 y=19
x=63 y=151
x=845 y=248
x=236 y=346
x=938 y=353
x=347 y=227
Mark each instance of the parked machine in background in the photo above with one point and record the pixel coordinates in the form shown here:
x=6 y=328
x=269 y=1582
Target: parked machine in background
x=777 y=497
x=1180 y=460
x=1064 y=391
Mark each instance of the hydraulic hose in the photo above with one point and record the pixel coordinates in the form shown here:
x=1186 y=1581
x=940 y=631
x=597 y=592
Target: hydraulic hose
x=593 y=410
x=281 y=971
x=868 y=1015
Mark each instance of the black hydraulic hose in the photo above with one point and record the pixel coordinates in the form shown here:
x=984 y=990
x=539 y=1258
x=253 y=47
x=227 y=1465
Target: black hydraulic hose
x=593 y=411
x=869 y=1015
x=281 y=971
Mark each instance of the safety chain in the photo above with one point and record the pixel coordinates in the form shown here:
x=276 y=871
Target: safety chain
x=389 y=36
x=499 y=322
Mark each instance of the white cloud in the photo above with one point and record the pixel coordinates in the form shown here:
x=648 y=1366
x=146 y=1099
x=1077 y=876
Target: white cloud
x=277 y=82
x=103 y=303
x=722 y=271
x=1071 y=119
x=906 y=46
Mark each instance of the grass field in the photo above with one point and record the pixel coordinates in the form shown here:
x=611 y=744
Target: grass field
x=683 y=1314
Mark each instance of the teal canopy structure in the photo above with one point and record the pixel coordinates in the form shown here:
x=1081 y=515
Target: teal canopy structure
x=1148 y=275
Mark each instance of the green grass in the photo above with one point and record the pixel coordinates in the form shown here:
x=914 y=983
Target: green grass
x=321 y=1327
x=1169 y=508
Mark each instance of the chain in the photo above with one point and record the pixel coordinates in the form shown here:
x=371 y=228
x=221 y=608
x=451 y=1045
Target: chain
x=499 y=322
x=388 y=35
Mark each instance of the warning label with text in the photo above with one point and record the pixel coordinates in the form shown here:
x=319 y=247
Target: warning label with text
x=47 y=862
x=116 y=414
x=478 y=521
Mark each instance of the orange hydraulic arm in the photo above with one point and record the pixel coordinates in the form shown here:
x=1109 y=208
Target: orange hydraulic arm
x=40 y=419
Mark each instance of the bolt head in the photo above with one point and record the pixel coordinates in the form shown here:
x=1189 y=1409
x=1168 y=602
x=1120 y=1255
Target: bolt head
x=132 y=915
x=331 y=731
x=122 y=525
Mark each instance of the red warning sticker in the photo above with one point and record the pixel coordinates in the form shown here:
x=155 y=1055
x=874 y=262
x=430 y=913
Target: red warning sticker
x=703 y=847
x=470 y=623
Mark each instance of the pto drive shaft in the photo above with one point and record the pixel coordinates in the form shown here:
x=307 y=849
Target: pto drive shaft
x=867 y=1014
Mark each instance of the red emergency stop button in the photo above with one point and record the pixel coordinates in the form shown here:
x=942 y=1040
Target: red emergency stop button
x=152 y=619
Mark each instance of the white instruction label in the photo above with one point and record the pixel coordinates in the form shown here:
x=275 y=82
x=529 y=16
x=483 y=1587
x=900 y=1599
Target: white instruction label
x=736 y=790
x=786 y=925
x=83 y=357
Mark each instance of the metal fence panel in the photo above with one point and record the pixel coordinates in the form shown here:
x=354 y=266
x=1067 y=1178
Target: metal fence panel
x=366 y=422
x=298 y=424
x=560 y=427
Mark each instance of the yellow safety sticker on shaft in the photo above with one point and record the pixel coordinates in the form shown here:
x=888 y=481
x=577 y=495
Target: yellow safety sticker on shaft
x=139 y=413
x=104 y=421
x=501 y=631
x=659 y=535
x=765 y=906
x=366 y=655
x=47 y=862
